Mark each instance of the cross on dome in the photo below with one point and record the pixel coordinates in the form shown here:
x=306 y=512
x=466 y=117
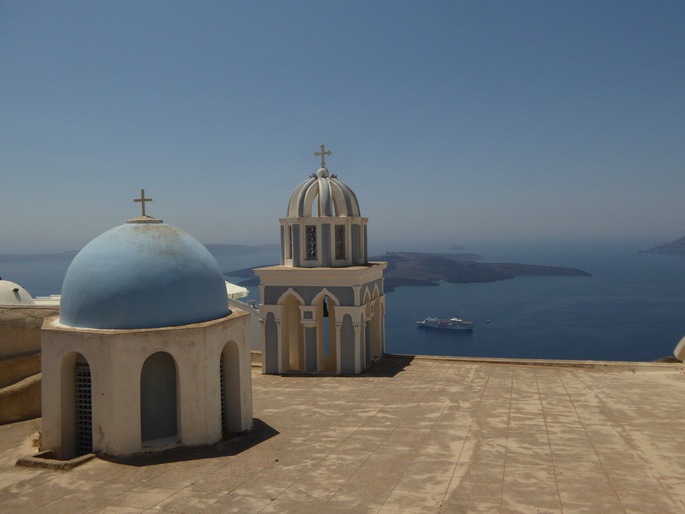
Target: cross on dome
x=323 y=153
x=142 y=200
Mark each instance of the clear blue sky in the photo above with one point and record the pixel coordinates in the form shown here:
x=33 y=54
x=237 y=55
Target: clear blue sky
x=455 y=121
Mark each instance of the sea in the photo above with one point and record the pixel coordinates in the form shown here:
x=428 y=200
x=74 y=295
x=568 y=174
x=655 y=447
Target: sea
x=631 y=308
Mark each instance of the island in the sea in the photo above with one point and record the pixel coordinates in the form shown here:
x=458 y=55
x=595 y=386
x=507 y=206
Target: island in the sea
x=429 y=269
x=673 y=248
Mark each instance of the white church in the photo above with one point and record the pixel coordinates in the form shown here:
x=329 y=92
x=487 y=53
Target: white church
x=145 y=353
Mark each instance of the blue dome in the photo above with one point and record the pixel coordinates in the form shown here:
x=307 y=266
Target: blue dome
x=143 y=274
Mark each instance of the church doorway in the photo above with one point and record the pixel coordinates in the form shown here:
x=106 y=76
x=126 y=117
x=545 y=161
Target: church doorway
x=158 y=400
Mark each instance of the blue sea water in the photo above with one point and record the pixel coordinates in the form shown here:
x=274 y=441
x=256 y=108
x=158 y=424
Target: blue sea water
x=631 y=308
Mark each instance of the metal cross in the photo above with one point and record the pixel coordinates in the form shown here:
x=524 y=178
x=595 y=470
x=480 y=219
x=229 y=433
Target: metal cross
x=323 y=153
x=142 y=200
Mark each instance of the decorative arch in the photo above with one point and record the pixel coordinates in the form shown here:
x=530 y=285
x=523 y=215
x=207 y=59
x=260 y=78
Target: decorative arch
x=367 y=304
x=325 y=292
x=159 y=395
x=290 y=292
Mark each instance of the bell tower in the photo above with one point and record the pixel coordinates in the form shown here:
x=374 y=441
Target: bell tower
x=323 y=308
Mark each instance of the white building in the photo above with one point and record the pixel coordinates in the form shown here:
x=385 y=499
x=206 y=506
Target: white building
x=145 y=353
x=323 y=307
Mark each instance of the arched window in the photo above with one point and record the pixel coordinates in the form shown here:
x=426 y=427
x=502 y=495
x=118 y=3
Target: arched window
x=340 y=242
x=310 y=250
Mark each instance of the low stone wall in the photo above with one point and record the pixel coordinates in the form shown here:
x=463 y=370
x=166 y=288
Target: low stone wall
x=20 y=328
x=15 y=369
x=21 y=401
x=20 y=378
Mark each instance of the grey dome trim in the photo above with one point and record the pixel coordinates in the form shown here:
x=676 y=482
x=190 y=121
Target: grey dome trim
x=334 y=198
x=297 y=200
x=325 y=200
x=350 y=198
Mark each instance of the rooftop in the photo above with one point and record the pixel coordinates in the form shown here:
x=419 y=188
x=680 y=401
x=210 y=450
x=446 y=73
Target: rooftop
x=414 y=435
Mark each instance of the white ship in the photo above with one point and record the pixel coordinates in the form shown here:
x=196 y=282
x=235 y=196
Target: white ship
x=455 y=323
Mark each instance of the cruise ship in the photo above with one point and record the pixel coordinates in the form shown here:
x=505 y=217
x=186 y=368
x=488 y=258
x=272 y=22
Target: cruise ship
x=454 y=323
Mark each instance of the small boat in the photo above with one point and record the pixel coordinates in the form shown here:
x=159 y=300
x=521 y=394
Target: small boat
x=455 y=323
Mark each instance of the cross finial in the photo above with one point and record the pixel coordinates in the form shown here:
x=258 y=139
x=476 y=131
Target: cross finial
x=142 y=200
x=323 y=153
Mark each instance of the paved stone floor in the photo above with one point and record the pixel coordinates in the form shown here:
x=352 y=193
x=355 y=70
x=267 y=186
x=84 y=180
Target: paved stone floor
x=418 y=435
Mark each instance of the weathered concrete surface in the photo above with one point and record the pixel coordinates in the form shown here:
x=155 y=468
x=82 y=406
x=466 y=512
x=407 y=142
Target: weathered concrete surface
x=419 y=435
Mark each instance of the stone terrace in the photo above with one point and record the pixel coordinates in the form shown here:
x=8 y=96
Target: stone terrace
x=416 y=435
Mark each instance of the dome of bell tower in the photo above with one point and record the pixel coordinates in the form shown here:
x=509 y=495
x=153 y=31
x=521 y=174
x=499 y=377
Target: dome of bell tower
x=323 y=194
x=324 y=226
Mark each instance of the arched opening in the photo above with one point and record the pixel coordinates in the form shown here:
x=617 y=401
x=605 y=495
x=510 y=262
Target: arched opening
x=84 y=406
x=367 y=343
x=376 y=328
x=270 y=355
x=347 y=349
x=76 y=436
x=368 y=337
x=231 y=408
x=158 y=400
x=326 y=339
x=292 y=348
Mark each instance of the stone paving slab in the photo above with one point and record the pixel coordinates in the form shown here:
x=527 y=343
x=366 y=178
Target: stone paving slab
x=414 y=435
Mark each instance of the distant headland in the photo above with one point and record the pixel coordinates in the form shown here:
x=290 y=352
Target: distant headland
x=429 y=269
x=673 y=248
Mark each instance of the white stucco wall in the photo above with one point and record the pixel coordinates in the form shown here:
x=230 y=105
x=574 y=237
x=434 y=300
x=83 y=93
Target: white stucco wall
x=116 y=359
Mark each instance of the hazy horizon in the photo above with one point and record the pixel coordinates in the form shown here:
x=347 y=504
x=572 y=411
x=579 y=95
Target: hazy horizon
x=461 y=122
x=482 y=247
